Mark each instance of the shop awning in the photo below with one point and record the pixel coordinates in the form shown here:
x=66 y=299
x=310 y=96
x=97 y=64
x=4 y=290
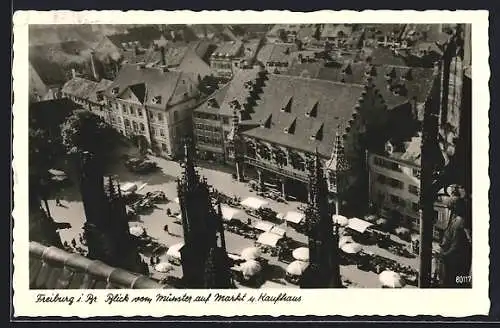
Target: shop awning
x=269 y=239
x=264 y=226
x=254 y=203
x=278 y=231
x=174 y=251
x=231 y=213
x=359 y=225
x=294 y=217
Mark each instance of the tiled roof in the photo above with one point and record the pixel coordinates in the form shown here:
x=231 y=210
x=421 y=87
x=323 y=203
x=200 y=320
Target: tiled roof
x=53 y=268
x=100 y=87
x=234 y=90
x=49 y=72
x=276 y=52
x=375 y=30
x=230 y=48
x=155 y=80
x=310 y=70
x=286 y=27
x=417 y=85
x=140 y=36
x=384 y=56
x=79 y=87
x=331 y=104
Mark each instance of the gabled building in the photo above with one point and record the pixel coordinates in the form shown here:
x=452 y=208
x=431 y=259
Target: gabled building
x=288 y=118
x=153 y=105
x=205 y=263
x=336 y=34
x=225 y=57
x=277 y=57
x=213 y=118
x=45 y=80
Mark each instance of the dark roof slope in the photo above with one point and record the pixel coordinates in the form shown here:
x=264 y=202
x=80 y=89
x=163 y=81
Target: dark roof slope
x=417 y=85
x=53 y=268
x=331 y=104
x=234 y=90
x=155 y=80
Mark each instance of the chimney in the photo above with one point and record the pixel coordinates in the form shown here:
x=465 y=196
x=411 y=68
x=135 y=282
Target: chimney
x=162 y=54
x=93 y=66
x=73 y=73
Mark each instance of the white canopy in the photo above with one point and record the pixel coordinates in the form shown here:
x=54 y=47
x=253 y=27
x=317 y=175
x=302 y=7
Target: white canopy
x=391 y=279
x=176 y=200
x=250 y=253
x=358 y=225
x=297 y=268
x=301 y=254
x=264 y=226
x=269 y=239
x=230 y=213
x=340 y=220
x=351 y=248
x=136 y=230
x=128 y=187
x=250 y=268
x=254 y=203
x=234 y=257
x=278 y=231
x=294 y=217
x=174 y=251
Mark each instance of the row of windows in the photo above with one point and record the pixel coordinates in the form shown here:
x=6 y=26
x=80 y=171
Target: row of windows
x=387 y=164
x=139 y=112
x=209 y=140
x=131 y=110
x=220 y=65
x=135 y=126
x=158 y=132
x=212 y=117
x=207 y=127
x=394 y=183
x=400 y=202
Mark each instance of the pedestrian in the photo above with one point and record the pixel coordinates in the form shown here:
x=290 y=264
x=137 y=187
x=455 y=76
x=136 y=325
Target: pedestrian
x=73 y=242
x=166 y=229
x=58 y=201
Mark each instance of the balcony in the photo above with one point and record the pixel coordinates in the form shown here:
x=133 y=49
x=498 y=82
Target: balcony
x=297 y=175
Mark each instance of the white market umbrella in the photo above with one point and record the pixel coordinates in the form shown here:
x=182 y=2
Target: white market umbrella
x=137 y=231
x=351 y=248
x=59 y=173
x=340 y=220
x=250 y=253
x=297 y=268
x=301 y=254
x=174 y=251
x=391 y=279
x=344 y=240
x=164 y=267
x=250 y=268
x=280 y=216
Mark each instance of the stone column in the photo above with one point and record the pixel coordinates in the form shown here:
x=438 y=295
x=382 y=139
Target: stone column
x=259 y=173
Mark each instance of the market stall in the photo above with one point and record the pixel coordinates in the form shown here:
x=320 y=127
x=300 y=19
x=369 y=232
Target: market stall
x=295 y=270
x=174 y=254
x=231 y=213
x=254 y=203
x=263 y=226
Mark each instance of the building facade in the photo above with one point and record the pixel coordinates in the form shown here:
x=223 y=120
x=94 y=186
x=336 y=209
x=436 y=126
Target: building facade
x=226 y=57
x=154 y=105
x=394 y=187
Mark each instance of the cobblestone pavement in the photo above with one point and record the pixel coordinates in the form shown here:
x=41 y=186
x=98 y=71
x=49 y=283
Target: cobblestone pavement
x=154 y=222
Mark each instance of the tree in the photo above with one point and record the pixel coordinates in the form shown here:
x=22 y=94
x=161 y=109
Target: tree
x=84 y=131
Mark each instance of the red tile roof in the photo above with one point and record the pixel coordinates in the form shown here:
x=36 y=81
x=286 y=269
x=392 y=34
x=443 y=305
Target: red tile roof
x=53 y=268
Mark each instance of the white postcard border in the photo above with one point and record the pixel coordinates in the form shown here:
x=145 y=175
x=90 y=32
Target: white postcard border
x=347 y=302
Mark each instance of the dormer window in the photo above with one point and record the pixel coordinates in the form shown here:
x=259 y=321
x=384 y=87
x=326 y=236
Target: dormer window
x=212 y=103
x=157 y=100
x=115 y=90
x=100 y=96
x=313 y=112
x=288 y=106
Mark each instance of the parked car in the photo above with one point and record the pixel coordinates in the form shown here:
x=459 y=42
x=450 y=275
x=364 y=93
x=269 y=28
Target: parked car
x=58 y=176
x=156 y=196
x=138 y=165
